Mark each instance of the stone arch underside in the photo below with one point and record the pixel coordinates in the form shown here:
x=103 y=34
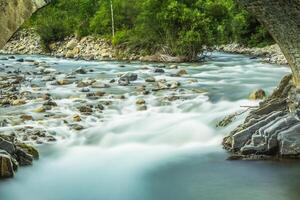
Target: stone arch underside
x=282 y=19
x=13 y=13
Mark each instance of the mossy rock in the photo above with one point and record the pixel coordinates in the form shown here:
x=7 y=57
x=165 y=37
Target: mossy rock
x=29 y=149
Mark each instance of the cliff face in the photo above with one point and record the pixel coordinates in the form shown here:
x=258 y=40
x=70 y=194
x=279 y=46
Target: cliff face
x=13 y=13
x=282 y=19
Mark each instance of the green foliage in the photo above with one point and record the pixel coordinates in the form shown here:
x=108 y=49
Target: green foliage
x=178 y=27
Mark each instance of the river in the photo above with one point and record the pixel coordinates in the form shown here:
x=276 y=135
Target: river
x=171 y=151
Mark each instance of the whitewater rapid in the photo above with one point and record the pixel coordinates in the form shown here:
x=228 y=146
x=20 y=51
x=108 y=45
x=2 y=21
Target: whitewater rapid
x=172 y=150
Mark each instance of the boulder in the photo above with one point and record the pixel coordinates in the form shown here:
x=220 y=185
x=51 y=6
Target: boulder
x=29 y=150
x=23 y=157
x=130 y=76
x=257 y=94
x=123 y=81
x=150 y=79
x=7 y=146
x=158 y=70
x=140 y=102
x=6 y=166
x=80 y=70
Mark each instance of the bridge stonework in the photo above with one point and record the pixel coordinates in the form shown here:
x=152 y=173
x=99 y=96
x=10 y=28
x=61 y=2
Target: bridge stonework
x=282 y=19
x=13 y=13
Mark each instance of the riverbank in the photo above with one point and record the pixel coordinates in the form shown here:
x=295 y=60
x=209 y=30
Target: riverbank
x=93 y=48
x=270 y=54
x=87 y=48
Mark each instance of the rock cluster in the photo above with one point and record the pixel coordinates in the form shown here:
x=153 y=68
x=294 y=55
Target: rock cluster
x=14 y=154
x=272 y=130
x=270 y=54
x=87 y=48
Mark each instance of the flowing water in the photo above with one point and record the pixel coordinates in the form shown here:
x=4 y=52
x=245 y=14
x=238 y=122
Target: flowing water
x=171 y=151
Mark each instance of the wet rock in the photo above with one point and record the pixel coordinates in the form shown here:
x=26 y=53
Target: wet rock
x=181 y=72
x=23 y=157
x=20 y=60
x=226 y=121
x=49 y=71
x=123 y=82
x=7 y=146
x=257 y=95
x=6 y=165
x=158 y=70
x=40 y=110
x=85 y=109
x=141 y=108
x=29 y=150
x=18 y=102
x=3 y=58
x=26 y=117
x=173 y=67
x=95 y=95
x=81 y=70
x=150 y=79
x=76 y=127
x=50 y=103
x=99 y=106
x=48 y=78
x=85 y=90
x=140 y=102
x=271 y=130
x=174 y=85
x=84 y=83
x=64 y=82
x=76 y=118
x=130 y=76
x=100 y=85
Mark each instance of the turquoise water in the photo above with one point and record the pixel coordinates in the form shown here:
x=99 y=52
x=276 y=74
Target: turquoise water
x=169 y=152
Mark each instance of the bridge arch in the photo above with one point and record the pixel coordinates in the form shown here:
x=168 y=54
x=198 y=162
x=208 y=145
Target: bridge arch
x=282 y=19
x=13 y=13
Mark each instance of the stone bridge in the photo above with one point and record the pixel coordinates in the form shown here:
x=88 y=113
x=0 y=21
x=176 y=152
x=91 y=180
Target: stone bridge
x=282 y=19
x=13 y=13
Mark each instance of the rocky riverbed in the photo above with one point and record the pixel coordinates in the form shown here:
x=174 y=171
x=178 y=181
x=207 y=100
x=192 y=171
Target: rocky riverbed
x=37 y=95
x=134 y=131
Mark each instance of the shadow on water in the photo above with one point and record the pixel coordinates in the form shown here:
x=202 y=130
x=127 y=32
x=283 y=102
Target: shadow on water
x=210 y=177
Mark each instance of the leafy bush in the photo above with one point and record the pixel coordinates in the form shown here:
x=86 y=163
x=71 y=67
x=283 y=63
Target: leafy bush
x=180 y=27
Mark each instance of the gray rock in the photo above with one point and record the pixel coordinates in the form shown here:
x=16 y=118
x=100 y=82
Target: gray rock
x=130 y=76
x=80 y=70
x=7 y=146
x=123 y=81
x=158 y=70
x=23 y=157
